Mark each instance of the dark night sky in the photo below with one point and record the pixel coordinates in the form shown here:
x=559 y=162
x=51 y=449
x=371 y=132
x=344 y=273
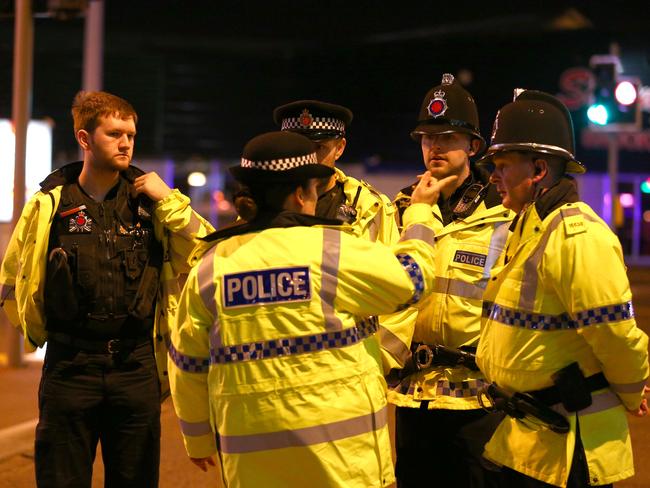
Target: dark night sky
x=205 y=76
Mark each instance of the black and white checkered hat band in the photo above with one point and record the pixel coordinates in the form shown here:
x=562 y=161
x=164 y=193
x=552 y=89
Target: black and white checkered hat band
x=280 y=164
x=318 y=123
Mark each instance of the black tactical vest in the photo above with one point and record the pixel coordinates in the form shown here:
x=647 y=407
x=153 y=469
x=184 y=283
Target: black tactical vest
x=103 y=266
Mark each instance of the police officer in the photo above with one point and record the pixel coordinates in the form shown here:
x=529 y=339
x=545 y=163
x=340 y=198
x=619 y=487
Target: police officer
x=559 y=323
x=369 y=213
x=438 y=436
x=91 y=269
x=268 y=367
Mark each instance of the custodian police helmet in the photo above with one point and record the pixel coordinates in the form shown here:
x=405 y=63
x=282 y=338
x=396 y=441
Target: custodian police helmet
x=314 y=119
x=536 y=122
x=278 y=156
x=448 y=108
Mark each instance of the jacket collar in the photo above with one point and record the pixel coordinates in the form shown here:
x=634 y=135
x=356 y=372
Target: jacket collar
x=564 y=191
x=283 y=219
x=71 y=171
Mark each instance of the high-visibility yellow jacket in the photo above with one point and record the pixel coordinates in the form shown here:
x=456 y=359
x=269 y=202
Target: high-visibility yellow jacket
x=466 y=251
x=22 y=275
x=563 y=296
x=375 y=213
x=268 y=366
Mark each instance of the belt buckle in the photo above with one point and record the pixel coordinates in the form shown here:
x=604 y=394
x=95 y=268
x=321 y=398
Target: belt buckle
x=113 y=346
x=423 y=356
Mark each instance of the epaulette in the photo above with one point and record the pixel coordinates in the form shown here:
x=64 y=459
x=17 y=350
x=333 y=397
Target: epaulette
x=377 y=194
x=408 y=190
x=402 y=202
x=574 y=221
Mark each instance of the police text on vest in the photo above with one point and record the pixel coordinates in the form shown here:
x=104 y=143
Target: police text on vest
x=266 y=286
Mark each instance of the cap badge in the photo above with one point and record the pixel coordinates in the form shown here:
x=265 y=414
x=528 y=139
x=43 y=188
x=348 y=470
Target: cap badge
x=447 y=79
x=438 y=105
x=80 y=222
x=305 y=118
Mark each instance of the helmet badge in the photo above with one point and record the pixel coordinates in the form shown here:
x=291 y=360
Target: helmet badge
x=437 y=105
x=447 y=79
x=305 y=118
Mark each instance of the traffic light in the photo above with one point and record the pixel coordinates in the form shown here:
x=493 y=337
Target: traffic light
x=645 y=186
x=615 y=105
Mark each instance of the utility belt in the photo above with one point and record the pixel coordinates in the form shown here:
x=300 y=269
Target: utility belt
x=110 y=346
x=101 y=333
x=427 y=356
x=571 y=389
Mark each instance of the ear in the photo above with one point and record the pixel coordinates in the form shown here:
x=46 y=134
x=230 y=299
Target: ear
x=295 y=200
x=340 y=147
x=83 y=138
x=474 y=146
x=540 y=169
x=299 y=195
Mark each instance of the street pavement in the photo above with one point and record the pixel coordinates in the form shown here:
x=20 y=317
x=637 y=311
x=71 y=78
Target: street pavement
x=19 y=412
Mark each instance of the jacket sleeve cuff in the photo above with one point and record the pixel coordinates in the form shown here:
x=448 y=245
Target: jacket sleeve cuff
x=202 y=446
x=170 y=202
x=421 y=213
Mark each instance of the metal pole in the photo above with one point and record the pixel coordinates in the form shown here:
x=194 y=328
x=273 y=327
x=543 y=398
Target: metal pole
x=21 y=113
x=93 y=62
x=612 y=167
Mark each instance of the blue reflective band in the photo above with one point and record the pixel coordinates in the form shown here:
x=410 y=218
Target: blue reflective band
x=278 y=285
x=415 y=274
x=544 y=322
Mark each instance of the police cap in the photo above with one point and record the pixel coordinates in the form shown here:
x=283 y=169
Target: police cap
x=279 y=156
x=314 y=119
x=448 y=108
x=535 y=122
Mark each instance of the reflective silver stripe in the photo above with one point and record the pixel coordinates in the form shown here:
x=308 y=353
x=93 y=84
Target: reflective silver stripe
x=192 y=228
x=176 y=257
x=7 y=292
x=207 y=285
x=237 y=444
x=599 y=402
x=208 y=292
x=628 y=387
x=330 y=277
x=391 y=343
x=373 y=228
x=457 y=288
x=530 y=277
x=195 y=429
x=181 y=280
x=497 y=243
x=421 y=232
x=171 y=286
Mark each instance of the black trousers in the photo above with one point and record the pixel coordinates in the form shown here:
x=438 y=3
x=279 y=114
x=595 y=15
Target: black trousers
x=444 y=448
x=85 y=398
